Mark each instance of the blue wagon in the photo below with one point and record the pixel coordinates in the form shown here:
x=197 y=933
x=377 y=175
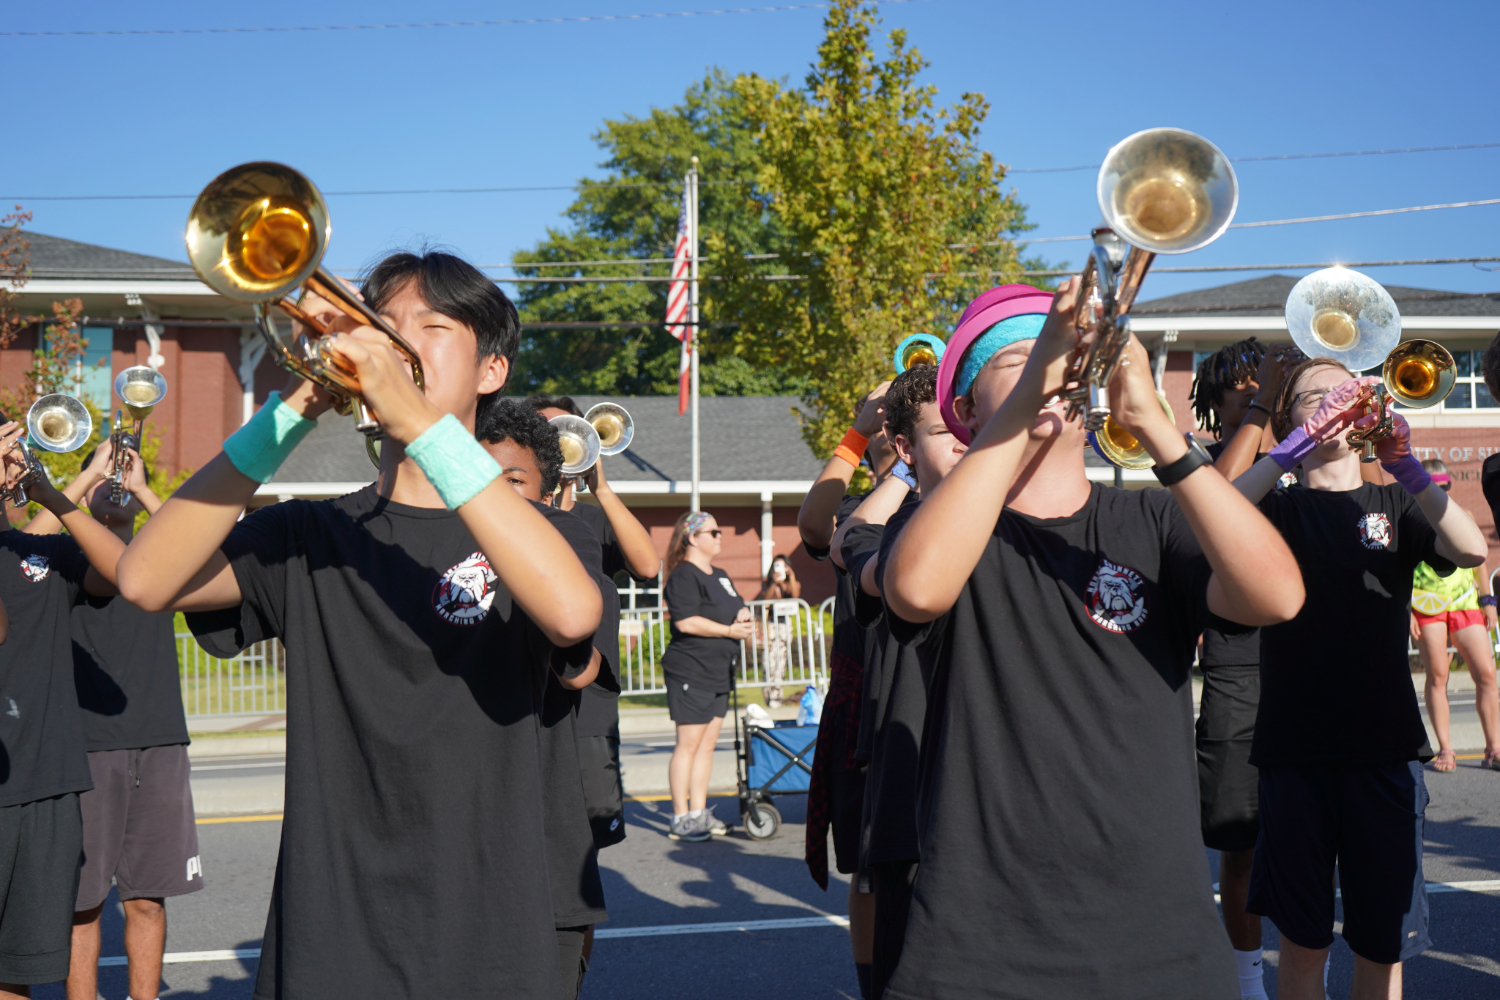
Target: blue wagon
x=774 y=760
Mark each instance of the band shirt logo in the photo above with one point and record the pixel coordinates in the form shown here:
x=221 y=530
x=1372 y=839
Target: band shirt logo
x=36 y=568
x=1114 y=598
x=729 y=587
x=464 y=593
x=1375 y=531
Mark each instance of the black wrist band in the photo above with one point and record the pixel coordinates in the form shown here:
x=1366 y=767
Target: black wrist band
x=1185 y=466
x=1253 y=405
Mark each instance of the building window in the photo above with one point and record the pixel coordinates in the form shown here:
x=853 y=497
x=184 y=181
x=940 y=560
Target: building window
x=1469 y=391
x=93 y=376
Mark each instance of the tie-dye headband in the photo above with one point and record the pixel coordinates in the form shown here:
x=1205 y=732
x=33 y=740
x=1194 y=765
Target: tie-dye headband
x=695 y=523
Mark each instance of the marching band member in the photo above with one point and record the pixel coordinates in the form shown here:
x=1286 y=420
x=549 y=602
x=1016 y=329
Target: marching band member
x=1339 y=739
x=1057 y=796
x=419 y=615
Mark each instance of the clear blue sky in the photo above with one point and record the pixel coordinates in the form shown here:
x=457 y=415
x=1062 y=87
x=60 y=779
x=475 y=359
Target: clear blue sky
x=516 y=105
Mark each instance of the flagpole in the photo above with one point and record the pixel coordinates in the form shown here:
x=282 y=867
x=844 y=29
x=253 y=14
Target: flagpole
x=693 y=320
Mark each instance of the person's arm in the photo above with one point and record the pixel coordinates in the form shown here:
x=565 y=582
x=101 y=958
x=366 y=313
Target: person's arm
x=45 y=522
x=641 y=558
x=743 y=628
x=877 y=508
x=578 y=682
x=793 y=586
x=1240 y=451
x=135 y=483
x=1340 y=408
x=531 y=558
x=100 y=545
x=815 y=520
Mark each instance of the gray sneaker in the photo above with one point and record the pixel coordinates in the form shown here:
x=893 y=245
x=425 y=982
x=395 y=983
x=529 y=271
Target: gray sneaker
x=688 y=828
x=715 y=824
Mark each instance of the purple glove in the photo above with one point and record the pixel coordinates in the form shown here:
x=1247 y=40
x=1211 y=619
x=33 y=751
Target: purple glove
x=1409 y=473
x=1293 y=449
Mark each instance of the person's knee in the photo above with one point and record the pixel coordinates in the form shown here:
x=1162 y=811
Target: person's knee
x=145 y=908
x=83 y=918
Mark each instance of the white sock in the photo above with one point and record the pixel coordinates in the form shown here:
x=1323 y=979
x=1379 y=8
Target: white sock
x=679 y=817
x=1252 y=974
x=696 y=814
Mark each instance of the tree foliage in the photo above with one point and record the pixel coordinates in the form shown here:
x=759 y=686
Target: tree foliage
x=891 y=216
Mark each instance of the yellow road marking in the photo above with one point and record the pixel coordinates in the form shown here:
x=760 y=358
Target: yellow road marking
x=238 y=819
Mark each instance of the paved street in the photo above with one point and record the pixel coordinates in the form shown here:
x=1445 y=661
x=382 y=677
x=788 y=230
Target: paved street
x=652 y=882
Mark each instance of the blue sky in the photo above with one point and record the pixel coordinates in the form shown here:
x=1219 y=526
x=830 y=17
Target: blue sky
x=516 y=105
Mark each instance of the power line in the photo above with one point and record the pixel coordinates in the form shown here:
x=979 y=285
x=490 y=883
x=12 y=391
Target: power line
x=435 y=24
x=1278 y=156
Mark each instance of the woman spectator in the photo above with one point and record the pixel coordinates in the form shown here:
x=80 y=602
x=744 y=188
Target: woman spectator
x=709 y=620
x=1457 y=609
x=780 y=583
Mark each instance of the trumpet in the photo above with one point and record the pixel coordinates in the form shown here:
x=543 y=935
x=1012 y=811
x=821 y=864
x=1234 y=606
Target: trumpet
x=1119 y=447
x=1162 y=191
x=140 y=388
x=580 y=444
x=918 y=349
x=256 y=234
x=56 y=422
x=1350 y=318
x=613 y=424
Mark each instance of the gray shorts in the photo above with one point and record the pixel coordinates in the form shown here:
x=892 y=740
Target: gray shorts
x=40 y=846
x=138 y=827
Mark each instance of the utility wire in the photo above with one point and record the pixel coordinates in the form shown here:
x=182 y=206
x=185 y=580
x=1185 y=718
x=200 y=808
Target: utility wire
x=435 y=24
x=1280 y=156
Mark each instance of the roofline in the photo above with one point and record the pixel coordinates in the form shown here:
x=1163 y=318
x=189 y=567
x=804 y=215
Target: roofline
x=1162 y=324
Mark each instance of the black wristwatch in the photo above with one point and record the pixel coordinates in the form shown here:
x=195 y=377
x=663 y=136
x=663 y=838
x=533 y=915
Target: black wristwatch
x=1185 y=466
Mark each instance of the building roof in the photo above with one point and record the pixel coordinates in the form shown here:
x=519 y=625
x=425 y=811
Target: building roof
x=1267 y=297
x=55 y=257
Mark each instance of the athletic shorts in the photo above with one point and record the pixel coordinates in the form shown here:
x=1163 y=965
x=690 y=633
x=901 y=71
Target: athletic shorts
x=571 y=965
x=892 y=882
x=693 y=704
x=603 y=792
x=41 y=847
x=1367 y=820
x=1455 y=620
x=1228 y=792
x=138 y=827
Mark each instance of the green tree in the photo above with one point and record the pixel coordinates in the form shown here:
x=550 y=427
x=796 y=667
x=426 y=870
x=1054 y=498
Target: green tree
x=633 y=213
x=891 y=217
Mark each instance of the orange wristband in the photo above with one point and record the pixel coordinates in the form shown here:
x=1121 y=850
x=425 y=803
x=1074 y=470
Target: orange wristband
x=852 y=448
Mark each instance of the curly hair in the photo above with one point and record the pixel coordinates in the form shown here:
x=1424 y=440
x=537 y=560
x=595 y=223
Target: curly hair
x=1281 y=412
x=511 y=419
x=1229 y=367
x=909 y=392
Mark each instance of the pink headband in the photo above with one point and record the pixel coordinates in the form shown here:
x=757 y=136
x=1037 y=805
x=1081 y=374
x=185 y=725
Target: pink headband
x=984 y=312
x=1441 y=477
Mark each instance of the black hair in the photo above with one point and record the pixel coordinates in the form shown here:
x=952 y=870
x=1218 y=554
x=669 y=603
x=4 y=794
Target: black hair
x=542 y=401
x=1227 y=368
x=1489 y=367
x=90 y=457
x=909 y=392
x=511 y=419
x=457 y=289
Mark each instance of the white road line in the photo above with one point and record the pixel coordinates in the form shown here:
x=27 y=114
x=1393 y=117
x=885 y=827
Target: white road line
x=718 y=927
x=1482 y=885
x=236 y=767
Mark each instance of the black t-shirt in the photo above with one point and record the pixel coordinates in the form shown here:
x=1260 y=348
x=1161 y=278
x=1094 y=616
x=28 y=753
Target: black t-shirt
x=1489 y=481
x=1335 y=682
x=1058 y=806
x=41 y=730
x=599 y=703
x=572 y=858
x=899 y=704
x=413 y=848
x=125 y=669
x=698 y=659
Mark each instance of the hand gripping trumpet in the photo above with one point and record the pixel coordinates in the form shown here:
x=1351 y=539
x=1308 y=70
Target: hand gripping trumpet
x=57 y=423
x=606 y=429
x=257 y=234
x=1163 y=190
x=140 y=388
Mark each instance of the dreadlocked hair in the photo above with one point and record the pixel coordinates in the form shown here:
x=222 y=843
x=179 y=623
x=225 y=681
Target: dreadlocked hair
x=1227 y=368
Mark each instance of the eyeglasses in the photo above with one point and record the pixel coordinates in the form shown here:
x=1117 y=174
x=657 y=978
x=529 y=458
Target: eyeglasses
x=716 y=532
x=1310 y=397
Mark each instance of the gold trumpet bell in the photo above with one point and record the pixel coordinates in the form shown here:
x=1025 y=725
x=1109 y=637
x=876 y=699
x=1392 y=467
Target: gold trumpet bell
x=1119 y=447
x=1419 y=373
x=258 y=232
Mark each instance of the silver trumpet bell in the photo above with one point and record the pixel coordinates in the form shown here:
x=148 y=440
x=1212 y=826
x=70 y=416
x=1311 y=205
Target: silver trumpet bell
x=579 y=441
x=613 y=424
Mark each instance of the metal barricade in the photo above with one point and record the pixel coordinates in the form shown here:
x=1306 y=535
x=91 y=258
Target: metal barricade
x=252 y=683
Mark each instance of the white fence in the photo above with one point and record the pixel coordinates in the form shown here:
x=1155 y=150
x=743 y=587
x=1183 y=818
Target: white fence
x=252 y=683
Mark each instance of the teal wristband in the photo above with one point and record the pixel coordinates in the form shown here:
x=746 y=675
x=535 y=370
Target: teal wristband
x=258 y=448
x=454 y=463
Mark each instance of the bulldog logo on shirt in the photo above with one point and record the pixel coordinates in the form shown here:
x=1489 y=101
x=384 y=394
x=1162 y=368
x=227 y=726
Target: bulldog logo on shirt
x=1375 y=531
x=1114 y=598
x=36 y=568
x=463 y=596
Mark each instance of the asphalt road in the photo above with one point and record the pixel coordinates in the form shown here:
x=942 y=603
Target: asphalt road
x=651 y=881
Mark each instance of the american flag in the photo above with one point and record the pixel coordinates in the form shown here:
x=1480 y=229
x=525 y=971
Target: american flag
x=677 y=303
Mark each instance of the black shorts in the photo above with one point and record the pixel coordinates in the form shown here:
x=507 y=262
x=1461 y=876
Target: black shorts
x=1367 y=819
x=892 y=882
x=693 y=704
x=138 y=827
x=571 y=965
x=846 y=808
x=1228 y=788
x=603 y=792
x=41 y=848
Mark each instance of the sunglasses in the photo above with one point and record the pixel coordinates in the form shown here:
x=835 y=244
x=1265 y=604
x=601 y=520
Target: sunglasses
x=712 y=531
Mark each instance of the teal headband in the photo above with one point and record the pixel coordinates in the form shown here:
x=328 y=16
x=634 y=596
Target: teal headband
x=991 y=342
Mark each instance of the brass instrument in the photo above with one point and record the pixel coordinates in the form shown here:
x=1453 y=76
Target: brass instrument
x=1162 y=191
x=57 y=423
x=1118 y=447
x=256 y=234
x=140 y=388
x=918 y=349
x=1347 y=317
x=613 y=424
x=580 y=444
